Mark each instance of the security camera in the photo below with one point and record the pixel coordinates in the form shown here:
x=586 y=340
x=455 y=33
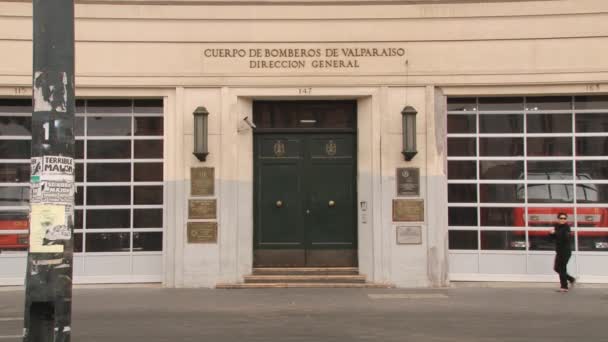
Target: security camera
x=249 y=123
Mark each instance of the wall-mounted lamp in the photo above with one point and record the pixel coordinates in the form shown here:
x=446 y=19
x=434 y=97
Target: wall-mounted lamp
x=201 y=133
x=408 y=121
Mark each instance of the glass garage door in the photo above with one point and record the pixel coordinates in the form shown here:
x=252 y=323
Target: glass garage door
x=119 y=199
x=514 y=163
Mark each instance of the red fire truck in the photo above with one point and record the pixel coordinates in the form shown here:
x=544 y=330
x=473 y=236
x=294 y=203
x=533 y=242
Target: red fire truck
x=12 y=221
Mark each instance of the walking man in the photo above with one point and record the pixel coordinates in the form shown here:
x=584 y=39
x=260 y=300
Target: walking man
x=563 y=251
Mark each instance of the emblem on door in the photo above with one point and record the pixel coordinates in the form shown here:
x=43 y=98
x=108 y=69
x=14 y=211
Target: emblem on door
x=279 y=148
x=331 y=148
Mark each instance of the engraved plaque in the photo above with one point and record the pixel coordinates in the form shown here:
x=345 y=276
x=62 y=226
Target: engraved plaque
x=202 y=232
x=202 y=180
x=409 y=235
x=408 y=181
x=408 y=210
x=202 y=209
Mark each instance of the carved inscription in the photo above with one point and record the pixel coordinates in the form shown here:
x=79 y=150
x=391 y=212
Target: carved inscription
x=202 y=232
x=408 y=210
x=202 y=181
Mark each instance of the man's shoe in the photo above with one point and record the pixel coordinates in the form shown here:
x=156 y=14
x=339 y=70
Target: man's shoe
x=572 y=281
x=562 y=290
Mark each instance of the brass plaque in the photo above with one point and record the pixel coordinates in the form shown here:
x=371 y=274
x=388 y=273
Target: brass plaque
x=408 y=181
x=202 y=232
x=408 y=210
x=202 y=209
x=202 y=181
x=409 y=235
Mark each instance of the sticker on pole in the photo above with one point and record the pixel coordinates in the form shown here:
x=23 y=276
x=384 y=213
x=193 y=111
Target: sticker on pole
x=52 y=179
x=48 y=228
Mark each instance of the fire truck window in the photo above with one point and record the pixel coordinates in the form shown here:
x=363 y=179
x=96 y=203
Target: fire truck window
x=552 y=146
x=592 y=123
x=15 y=125
x=462 y=124
x=501 y=169
x=550 y=193
x=461 y=147
x=501 y=193
x=464 y=104
x=459 y=193
x=591 y=146
x=592 y=193
x=497 y=147
x=593 y=241
x=592 y=169
x=549 y=123
x=501 y=123
x=15 y=173
x=462 y=216
x=462 y=239
x=503 y=240
x=500 y=217
x=501 y=103
x=541 y=170
x=458 y=169
x=548 y=103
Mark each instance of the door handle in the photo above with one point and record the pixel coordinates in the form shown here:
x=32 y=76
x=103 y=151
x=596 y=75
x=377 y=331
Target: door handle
x=279 y=204
x=307 y=212
x=331 y=204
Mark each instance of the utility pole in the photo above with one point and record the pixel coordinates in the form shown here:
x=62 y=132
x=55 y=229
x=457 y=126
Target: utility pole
x=48 y=281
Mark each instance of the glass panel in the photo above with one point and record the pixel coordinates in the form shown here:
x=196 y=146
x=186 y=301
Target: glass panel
x=15 y=149
x=501 y=169
x=13 y=220
x=148 y=149
x=541 y=170
x=15 y=106
x=78 y=242
x=79 y=126
x=592 y=217
x=462 y=216
x=147 y=218
x=541 y=240
x=593 y=241
x=501 y=123
x=461 y=169
x=464 y=104
x=549 y=123
x=108 y=149
x=304 y=114
x=587 y=123
x=14 y=195
x=462 y=193
x=591 y=102
x=148 y=195
x=14 y=173
x=109 y=106
x=13 y=242
x=108 y=172
x=592 y=169
x=502 y=217
x=111 y=218
x=78 y=219
x=461 y=147
x=503 y=240
x=148 y=172
x=501 y=103
x=547 y=216
x=148 y=126
x=15 y=125
x=591 y=146
x=79 y=172
x=501 y=146
x=544 y=147
x=80 y=106
x=462 y=239
x=462 y=124
x=592 y=193
x=501 y=193
x=550 y=193
x=549 y=103
x=108 y=195
x=147 y=241
x=79 y=149
x=148 y=106
x=79 y=195
x=107 y=242
x=104 y=126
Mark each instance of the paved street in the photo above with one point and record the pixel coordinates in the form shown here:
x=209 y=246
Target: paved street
x=468 y=314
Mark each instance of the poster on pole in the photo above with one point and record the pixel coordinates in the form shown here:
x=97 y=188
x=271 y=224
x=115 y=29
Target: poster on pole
x=48 y=228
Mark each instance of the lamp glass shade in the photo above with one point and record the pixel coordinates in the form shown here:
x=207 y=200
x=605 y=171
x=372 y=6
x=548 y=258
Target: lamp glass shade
x=409 y=132
x=201 y=143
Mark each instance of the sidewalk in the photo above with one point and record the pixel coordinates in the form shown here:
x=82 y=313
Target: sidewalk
x=467 y=313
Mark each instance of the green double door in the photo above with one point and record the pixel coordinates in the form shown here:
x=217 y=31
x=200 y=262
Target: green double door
x=305 y=200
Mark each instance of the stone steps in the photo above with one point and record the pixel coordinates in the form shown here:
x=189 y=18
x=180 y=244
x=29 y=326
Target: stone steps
x=330 y=279
x=306 y=271
x=300 y=285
